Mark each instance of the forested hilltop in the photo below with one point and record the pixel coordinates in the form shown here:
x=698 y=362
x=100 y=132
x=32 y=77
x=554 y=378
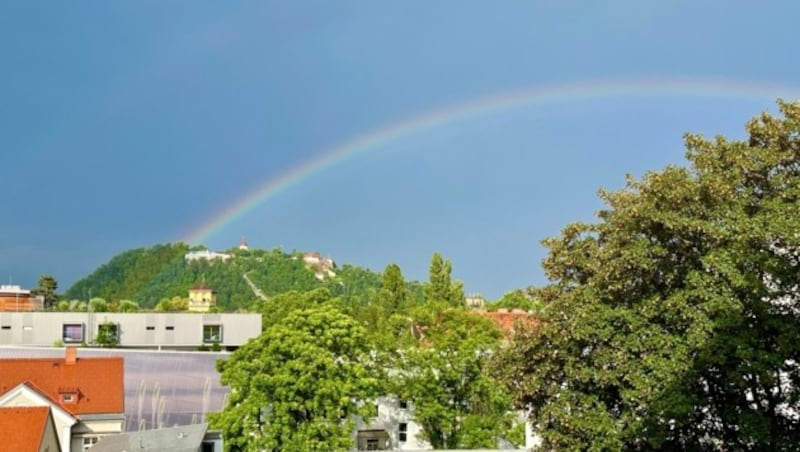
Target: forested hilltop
x=161 y=273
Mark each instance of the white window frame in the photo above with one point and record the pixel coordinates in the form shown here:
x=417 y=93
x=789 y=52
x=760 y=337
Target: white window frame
x=209 y=339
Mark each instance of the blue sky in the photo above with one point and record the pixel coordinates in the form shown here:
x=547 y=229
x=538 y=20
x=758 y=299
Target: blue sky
x=127 y=124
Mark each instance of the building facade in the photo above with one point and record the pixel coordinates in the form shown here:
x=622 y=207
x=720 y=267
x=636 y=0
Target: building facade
x=393 y=428
x=16 y=299
x=172 y=331
x=202 y=298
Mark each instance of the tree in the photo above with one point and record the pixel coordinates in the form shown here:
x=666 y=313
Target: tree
x=47 y=287
x=388 y=301
x=442 y=372
x=128 y=306
x=275 y=310
x=672 y=322
x=98 y=305
x=515 y=300
x=176 y=304
x=393 y=288
x=299 y=385
x=440 y=287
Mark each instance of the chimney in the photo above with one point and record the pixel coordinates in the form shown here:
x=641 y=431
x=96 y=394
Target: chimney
x=72 y=356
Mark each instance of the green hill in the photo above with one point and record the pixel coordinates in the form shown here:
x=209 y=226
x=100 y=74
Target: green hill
x=147 y=275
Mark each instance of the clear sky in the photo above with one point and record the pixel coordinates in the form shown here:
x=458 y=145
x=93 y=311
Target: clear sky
x=127 y=124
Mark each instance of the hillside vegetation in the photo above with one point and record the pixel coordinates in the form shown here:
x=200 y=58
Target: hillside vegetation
x=148 y=275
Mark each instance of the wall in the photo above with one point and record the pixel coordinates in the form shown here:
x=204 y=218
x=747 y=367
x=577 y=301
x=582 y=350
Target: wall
x=148 y=330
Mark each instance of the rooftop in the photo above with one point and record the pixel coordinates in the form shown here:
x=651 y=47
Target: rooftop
x=78 y=385
x=508 y=321
x=22 y=428
x=186 y=438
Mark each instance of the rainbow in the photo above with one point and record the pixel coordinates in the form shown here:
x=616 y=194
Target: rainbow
x=537 y=95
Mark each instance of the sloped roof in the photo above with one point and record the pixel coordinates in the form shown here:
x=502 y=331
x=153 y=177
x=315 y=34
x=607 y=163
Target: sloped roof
x=97 y=382
x=186 y=438
x=202 y=288
x=22 y=428
x=508 y=321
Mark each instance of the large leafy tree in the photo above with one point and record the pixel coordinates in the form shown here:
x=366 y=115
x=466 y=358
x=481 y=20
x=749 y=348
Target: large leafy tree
x=275 y=310
x=672 y=322
x=298 y=385
x=441 y=369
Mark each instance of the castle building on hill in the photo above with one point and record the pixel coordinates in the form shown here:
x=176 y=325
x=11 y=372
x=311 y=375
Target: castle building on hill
x=14 y=298
x=206 y=255
x=322 y=266
x=202 y=298
x=475 y=301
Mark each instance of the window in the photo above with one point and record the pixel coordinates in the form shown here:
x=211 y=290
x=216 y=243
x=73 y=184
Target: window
x=372 y=444
x=89 y=441
x=72 y=332
x=403 y=404
x=212 y=333
x=402 y=432
x=67 y=398
x=107 y=334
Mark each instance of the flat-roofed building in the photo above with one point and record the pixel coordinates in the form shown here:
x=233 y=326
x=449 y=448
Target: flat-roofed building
x=173 y=331
x=16 y=299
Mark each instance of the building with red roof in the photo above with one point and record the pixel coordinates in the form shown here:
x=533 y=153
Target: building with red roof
x=85 y=396
x=510 y=322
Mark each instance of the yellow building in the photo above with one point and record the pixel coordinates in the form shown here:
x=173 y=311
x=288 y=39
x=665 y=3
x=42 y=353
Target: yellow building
x=202 y=298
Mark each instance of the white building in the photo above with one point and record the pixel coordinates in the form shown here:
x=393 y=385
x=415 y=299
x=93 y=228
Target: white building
x=207 y=255
x=154 y=330
x=394 y=428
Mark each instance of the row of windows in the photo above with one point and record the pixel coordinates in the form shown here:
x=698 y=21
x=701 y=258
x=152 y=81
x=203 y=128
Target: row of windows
x=74 y=332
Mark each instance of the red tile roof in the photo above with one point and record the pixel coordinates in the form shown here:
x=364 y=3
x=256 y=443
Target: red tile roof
x=509 y=322
x=96 y=383
x=22 y=428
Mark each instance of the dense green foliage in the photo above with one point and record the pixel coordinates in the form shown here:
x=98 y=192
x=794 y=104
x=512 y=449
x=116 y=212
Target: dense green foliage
x=442 y=371
x=159 y=276
x=47 y=287
x=440 y=287
x=437 y=352
x=298 y=385
x=297 y=388
x=673 y=321
x=125 y=274
x=515 y=300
